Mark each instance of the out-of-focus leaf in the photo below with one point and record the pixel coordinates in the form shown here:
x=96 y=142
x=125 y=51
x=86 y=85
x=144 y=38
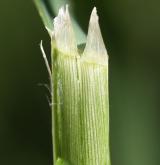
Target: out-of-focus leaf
x=44 y=13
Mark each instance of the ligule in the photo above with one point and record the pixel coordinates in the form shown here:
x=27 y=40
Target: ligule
x=95 y=51
x=80 y=95
x=63 y=33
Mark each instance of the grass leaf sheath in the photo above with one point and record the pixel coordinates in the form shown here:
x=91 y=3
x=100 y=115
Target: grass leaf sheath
x=80 y=102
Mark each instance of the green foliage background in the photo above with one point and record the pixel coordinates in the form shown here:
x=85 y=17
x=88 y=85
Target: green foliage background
x=131 y=30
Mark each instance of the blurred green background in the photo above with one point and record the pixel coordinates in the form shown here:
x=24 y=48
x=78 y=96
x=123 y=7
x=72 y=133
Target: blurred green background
x=131 y=30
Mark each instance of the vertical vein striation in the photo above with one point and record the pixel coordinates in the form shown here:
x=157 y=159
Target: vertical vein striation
x=82 y=112
x=96 y=113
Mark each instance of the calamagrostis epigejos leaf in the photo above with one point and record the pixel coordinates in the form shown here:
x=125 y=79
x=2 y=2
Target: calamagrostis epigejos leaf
x=80 y=104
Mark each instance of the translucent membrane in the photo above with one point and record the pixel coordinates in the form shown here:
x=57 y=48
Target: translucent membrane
x=95 y=50
x=63 y=32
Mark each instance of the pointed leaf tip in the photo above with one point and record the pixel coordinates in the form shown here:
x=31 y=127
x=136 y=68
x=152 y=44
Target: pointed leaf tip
x=95 y=50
